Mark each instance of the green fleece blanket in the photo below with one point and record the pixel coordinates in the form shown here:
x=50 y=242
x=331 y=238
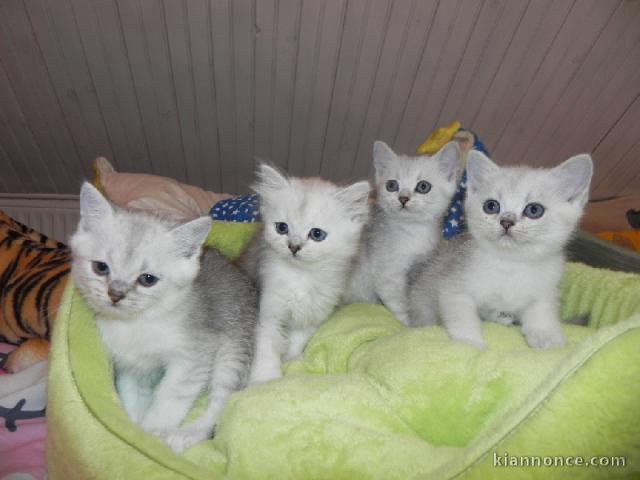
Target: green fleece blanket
x=373 y=399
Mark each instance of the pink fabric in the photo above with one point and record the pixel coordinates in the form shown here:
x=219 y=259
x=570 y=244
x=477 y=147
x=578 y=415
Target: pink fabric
x=22 y=452
x=154 y=193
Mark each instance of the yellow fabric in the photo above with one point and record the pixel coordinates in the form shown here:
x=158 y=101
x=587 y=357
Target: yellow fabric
x=438 y=139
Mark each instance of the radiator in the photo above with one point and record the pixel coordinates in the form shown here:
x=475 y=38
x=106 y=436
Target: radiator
x=54 y=215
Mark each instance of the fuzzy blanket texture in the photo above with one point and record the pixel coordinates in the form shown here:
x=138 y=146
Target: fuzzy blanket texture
x=372 y=399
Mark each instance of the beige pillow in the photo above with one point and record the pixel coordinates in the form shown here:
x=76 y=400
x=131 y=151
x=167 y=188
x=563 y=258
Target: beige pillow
x=139 y=191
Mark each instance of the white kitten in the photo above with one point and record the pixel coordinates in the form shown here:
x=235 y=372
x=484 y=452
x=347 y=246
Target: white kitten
x=301 y=260
x=176 y=318
x=413 y=194
x=511 y=262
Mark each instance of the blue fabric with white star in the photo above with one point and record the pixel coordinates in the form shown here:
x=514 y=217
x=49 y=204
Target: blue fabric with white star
x=244 y=209
x=454 y=223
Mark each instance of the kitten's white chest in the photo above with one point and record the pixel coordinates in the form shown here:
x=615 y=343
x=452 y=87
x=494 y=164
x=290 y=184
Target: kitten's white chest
x=141 y=344
x=510 y=286
x=399 y=245
x=309 y=296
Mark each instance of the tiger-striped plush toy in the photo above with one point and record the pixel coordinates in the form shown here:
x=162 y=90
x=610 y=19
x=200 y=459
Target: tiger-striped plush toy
x=33 y=273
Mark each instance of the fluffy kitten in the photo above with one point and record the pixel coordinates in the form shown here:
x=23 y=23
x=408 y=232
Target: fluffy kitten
x=510 y=264
x=413 y=194
x=301 y=260
x=176 y=318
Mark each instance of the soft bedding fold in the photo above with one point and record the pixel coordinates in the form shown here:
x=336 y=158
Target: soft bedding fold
x=373 y=399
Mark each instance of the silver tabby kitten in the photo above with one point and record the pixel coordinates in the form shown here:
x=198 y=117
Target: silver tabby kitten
x=177 y=319
x=413 y=194
x=510 y=264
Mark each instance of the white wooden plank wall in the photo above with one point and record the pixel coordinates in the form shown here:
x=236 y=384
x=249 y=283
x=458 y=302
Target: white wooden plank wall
x=197 y=89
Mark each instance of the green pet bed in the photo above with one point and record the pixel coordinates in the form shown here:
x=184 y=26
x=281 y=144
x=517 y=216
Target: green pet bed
x=373 y=399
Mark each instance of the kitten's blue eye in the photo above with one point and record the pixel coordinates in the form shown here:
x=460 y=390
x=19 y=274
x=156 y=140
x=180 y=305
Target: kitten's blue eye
x=392 y=186
x=100 y=268
x=147 y=280
x=491 y=207
x=317 y=234
x=533 y=210
x=423 y=186
x=282 y=228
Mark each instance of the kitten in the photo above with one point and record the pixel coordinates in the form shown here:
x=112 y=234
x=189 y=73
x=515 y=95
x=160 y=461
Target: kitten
x=176 y=318
x=510 y=264
x=413 y=194
x=301 y=260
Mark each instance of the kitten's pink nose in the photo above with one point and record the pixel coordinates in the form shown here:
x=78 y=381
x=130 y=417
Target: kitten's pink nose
x=294 y=248
x=403 y=200
x=507 y=224
x=115 y=295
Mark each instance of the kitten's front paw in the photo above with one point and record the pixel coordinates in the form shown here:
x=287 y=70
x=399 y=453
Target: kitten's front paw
x=264 y=374
x=541 y=338
x=479 y=343
x=180 y=439
x=154 y=425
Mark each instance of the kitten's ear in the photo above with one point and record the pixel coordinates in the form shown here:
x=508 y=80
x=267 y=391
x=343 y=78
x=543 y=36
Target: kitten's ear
x=94 y=208
x=269 y=180
x=189 y=237
x=449 y=159
x=479 y=168
x=574 y=177
x=356 y=200
x=382 y=155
